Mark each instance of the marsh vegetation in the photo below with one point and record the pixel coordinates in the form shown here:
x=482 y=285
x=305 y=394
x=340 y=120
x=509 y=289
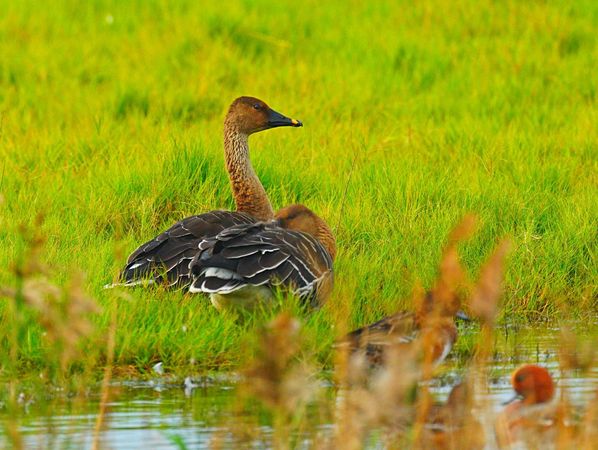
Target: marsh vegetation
x=415 y=115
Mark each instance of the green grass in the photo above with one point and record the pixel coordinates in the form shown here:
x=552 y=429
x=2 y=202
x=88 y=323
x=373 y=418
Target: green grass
x=415 y=114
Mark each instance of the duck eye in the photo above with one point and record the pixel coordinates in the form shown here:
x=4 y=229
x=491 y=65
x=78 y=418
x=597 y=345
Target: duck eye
x=257 y=106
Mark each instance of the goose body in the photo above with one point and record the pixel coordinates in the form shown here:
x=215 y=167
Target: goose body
x=165 y=259
x=244 y=264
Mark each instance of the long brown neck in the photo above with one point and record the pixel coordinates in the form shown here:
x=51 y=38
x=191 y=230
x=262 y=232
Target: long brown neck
x=250 y=196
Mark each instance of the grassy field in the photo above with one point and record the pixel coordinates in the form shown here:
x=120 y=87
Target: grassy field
x=415 y=114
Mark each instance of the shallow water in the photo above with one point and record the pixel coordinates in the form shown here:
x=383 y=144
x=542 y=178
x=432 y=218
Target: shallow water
x=163 y=414
x=154 y=414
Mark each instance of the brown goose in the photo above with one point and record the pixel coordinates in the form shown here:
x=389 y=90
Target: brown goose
x=241 y=266
x=165 y=259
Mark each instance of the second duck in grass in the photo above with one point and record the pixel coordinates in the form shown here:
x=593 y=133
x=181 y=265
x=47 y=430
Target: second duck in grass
x=431 y=326
x=429 y=332
x=243 y=265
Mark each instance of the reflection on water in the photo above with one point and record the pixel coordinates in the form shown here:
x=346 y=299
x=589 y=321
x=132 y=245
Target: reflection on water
x=155 y=414
x=165 y=414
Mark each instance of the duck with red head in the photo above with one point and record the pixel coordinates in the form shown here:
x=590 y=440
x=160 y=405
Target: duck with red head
x=165 y=259
x=533 y=385
x=531 y=414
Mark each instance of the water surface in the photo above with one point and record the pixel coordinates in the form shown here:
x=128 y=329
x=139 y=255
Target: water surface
x=164 y=414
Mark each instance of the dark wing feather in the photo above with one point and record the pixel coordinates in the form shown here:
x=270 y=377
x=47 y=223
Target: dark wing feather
x=261 y=254
x=165 y=259
x=271 y=260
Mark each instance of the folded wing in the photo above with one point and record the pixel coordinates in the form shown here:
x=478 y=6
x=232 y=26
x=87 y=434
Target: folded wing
x=262 y=254
x=165 y=259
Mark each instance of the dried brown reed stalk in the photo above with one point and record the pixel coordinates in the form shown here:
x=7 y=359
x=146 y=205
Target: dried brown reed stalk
x=488 y=290
x=445 y=295
x=575 y=353
x=348 y=370
x=447 y=298
x=484 y=304
x=589 y=425
x=379 y=398
x=105 y=394
x=485 y=299
x=63 y=313
x=11 y=426
x=278 y=376
x=452 y=425
x=28 y=265
x=217 y=440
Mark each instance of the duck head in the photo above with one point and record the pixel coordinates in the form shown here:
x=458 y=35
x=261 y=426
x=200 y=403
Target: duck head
x=249 y=115
x=301 y=218
x=533 y=384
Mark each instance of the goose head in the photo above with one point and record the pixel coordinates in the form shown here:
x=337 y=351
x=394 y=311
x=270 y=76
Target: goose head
x=248 y=115
x=301 y=218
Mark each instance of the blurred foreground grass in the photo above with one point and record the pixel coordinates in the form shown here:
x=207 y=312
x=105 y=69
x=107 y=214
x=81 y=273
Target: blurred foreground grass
x=415 y=114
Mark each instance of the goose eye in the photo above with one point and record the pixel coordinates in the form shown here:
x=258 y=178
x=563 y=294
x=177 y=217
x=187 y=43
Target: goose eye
x=257 y=106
